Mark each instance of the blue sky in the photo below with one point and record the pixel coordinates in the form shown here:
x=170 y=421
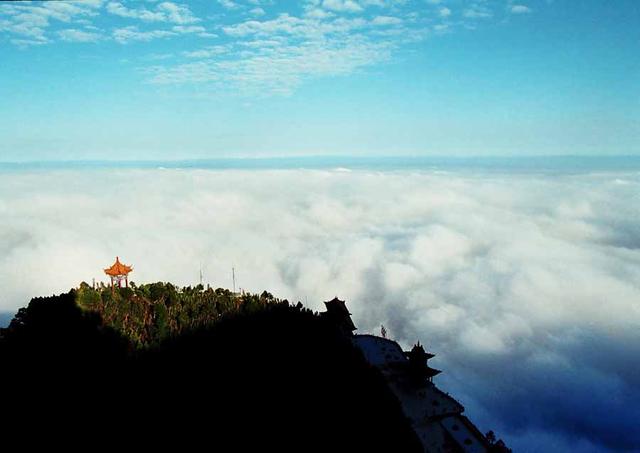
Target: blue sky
x=206 y=79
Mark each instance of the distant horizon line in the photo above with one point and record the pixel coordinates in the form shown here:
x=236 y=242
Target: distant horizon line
x=331 y=156
x=327 y=161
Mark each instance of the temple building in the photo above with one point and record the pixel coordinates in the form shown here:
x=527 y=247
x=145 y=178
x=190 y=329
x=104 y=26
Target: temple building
x=436 y=417
x=418 y=367
x=118 y=273
x=338 y=314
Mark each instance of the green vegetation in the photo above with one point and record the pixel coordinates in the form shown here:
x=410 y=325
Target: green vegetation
x=192 y=368
x=150 y=313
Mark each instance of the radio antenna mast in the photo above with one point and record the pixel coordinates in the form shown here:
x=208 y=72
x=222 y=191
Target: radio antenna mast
x=233 y=276
x=200 y=273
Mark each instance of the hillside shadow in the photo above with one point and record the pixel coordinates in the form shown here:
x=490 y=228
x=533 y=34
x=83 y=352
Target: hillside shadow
x=280 y=378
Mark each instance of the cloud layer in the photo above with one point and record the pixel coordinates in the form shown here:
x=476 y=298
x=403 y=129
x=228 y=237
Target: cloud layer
x=268 y=48
x=526 y=286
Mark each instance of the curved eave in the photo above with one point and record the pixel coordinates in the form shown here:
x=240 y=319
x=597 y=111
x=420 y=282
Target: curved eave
x=431 y=372
x=121 y=271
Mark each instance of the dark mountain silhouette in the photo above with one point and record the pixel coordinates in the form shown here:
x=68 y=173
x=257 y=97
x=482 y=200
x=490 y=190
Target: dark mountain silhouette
x=277 y=378
x=248 y=372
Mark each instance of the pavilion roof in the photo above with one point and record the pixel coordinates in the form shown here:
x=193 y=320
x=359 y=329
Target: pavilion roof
x=118 y=269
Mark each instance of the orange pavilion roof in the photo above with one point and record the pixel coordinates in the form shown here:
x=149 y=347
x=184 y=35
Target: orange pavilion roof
x=118 y=269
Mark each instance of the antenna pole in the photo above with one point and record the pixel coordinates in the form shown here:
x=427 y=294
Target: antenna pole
x=201 y=273
x=233 y=275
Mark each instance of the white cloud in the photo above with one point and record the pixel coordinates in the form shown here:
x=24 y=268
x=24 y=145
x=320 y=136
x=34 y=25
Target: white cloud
x=275 y=56
x=318 y=13
x=207 y=52
x=144 y=14
x=132 y=33
x=349 y=6
x=477 y=11
x=386 y=20
x=24 y=43
x=75 y=35
x=271 y=70
x=339 y=29
x=378 y=3
x=163 y=12
x=295 y=26
x=257 y=12
x=535 y=276
x=178 y=14
x=510 y=240
x=520 y=9
x=444 y=12
x=229 y=4
x=30 y=21
x=188 y=29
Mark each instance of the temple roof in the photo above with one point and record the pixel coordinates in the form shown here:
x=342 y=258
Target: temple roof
x=337 y=305
x=338 y=312
x=118 y=269
x=431 y=372
x=418 y=353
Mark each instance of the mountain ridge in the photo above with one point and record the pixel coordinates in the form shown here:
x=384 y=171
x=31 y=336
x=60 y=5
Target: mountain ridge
x=253 y=363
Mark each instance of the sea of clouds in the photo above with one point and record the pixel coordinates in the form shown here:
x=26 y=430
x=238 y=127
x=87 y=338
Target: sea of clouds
x=526 y=286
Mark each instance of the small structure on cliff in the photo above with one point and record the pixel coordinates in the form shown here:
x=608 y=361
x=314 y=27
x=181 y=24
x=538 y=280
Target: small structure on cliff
x=436 y=417
x=118 y=273
x=338 y=314
x=418 y=367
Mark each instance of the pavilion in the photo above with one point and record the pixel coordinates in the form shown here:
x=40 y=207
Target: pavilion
x=119 y=272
